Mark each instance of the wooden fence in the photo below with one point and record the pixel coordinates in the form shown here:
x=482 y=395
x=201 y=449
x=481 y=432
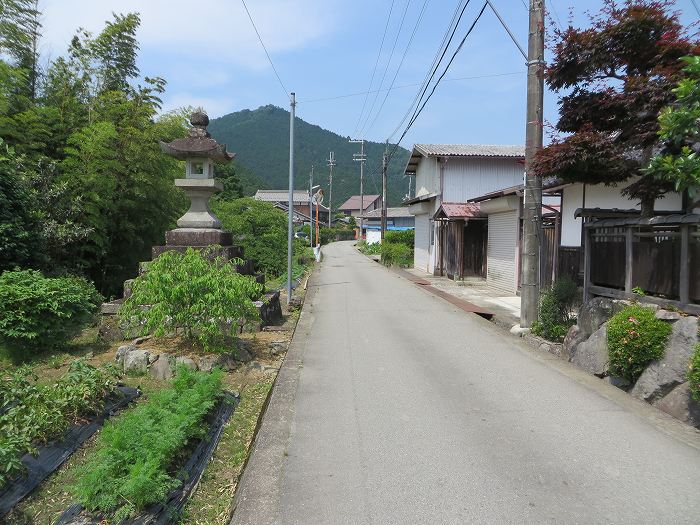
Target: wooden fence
x=655 y=260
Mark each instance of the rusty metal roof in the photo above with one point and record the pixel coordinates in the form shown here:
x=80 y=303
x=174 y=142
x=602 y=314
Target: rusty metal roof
x=459 y=210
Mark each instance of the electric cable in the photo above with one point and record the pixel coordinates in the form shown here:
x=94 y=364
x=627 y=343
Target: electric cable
x=454 y=24
x=374 y=71
x=386 y=68
x=403 y=58
x=286 y=92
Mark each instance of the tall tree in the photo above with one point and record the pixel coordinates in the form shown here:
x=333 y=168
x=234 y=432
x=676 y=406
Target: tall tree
x=617 y=75
x=679 y=162
x=20 y=31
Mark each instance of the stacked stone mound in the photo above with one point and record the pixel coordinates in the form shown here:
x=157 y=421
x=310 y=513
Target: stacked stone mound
x=663 y=383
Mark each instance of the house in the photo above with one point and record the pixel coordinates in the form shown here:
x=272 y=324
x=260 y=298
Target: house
x=450 y=235
x=351 y=207
x=397 y=219
x=565 y=208
x=302 y=204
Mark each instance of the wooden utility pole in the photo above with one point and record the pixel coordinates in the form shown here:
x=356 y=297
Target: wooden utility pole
x=384 y=168
x=361 y=158
x=311 y=207
x=331 y=163
x=532 y=203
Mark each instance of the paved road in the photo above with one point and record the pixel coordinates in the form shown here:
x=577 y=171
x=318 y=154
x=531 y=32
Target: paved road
x=406 y=410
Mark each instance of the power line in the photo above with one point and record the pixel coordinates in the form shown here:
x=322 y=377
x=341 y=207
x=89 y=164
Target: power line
x=286 y=92
x=695 y=5
x=374 y=71
x=444 y=46
x=403 y=57
x=459 y=47
x=403 y=86
x=388 y=64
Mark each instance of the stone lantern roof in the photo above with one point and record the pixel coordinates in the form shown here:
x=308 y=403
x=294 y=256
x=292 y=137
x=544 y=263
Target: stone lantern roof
x=198 y=143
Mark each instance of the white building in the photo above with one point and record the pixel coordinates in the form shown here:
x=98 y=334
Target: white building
x=453 y=174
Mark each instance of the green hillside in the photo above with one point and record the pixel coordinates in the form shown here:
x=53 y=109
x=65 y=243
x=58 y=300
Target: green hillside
x=260 y=139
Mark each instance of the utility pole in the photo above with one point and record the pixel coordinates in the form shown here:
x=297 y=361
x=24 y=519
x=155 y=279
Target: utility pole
x=532 y=203
x=290 y=224
x=384 y=208
x=311 y=206
x=331 y=163
x=361 y=157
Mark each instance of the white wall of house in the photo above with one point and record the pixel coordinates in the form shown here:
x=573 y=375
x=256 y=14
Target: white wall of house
x=466 y=179
x=427 y=177
x=601 y=196
x=421 y=244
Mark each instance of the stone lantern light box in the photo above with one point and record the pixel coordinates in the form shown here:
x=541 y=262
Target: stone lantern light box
x=198 y=227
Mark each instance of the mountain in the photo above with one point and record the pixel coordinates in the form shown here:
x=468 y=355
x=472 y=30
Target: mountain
x=260 y=139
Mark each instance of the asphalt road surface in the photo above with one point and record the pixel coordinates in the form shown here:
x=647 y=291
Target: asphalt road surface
x=401 y=408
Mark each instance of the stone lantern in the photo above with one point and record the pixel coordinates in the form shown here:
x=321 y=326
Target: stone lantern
x=199 y=227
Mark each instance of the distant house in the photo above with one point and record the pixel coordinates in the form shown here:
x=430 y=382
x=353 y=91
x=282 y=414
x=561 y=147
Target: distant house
x=302 y=204
x=396 y=219
x=451 y=236
x=352 y=207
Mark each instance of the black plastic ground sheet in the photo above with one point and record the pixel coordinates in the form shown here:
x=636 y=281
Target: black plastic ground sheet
x=190 y=474
x=53 y=454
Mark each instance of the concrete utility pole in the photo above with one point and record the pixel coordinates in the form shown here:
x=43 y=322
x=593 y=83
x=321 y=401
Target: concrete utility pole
x=532 y=205
x=311 y=206
x=384 y=208
x=331 y=163
x=290 y=224
x=361 y=157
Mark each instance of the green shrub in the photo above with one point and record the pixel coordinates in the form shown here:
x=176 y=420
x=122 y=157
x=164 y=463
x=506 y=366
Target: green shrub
x=369 y=249
x=192 y=295
x=261 y=230
x=39 y=313
x=400 y=237
x=43 y=413
x=556 y=315
x=138 y=452
x=693 y=374
x=396 y=255
x=635 y=338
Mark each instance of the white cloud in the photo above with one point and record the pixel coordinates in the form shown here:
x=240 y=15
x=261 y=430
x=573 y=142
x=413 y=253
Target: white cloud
x=216 y=30
x=214 y=106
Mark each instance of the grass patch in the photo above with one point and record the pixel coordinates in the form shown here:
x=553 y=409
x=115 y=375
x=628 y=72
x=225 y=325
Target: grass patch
x=211 y=503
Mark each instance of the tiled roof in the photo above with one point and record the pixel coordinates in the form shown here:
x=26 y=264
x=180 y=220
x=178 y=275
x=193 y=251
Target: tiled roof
x=281 y=196
x=353 y=203
x=391 y=213
x=470 y=150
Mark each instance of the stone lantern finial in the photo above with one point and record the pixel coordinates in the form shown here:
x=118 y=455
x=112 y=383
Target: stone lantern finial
x=200 y=152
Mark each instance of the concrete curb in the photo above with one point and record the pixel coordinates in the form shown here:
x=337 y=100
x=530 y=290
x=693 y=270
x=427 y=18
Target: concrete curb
x=259 y=491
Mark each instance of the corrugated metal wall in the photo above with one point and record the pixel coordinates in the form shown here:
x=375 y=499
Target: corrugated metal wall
x=502 y=245
x=422 y=240
x=468 y=178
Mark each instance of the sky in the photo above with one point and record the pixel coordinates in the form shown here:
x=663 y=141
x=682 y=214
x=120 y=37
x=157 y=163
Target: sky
x=325 y=50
